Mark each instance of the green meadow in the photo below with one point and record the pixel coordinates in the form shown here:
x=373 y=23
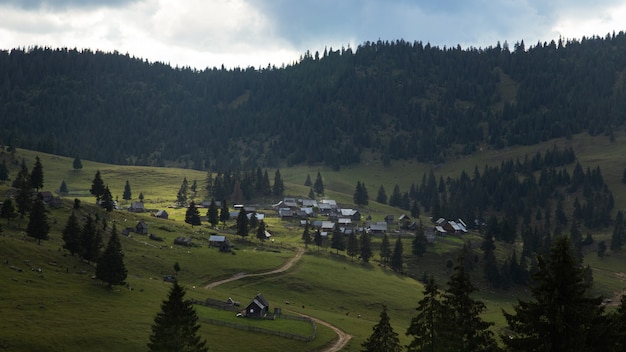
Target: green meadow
x=49 y=301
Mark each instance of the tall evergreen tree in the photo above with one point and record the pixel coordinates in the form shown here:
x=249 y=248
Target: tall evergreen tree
x=385 y=250
x=77 y=164
x=97 y=186
x=90 y=241
x=306 y=235
x=318 y=186
x=107 y=199
x=338 y=242
x=279 y=186
x=181 y=196
x=562 y=316
x=309 y=183
x=366 y=246
x=63 y=188
x=466 y=330
x=141 y=197
x=127 y=195
x=242 y=224
x=491 y=265
x=419 y=242
x=176 y=326
x=111 y=268
x=8 y=210
x=396 y=197
x=212 y=213
x=383 y=338
x=22 y=183
x=427 y=328
x=38 y=226
x=353 y=245
x=36 y=175
x=382 y=195
x=396 y=258
x=318 y=239
x=71 y=234
x=260 y=231
x=360 y=196
x=4 y=172
x=224 y=212
x=192 y=215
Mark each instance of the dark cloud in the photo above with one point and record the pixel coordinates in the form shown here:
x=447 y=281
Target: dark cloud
x=64 y=4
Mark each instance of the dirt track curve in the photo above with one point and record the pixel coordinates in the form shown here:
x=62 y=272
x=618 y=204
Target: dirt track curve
x=342 y=337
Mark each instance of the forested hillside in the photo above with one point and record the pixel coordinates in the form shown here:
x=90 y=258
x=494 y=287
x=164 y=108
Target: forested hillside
x=400 y=99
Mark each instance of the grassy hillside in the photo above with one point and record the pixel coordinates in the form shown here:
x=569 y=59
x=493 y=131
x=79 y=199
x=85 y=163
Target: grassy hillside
x=61 y=305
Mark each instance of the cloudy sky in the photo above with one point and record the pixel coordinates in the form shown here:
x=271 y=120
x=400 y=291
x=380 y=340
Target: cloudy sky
x=243 y=33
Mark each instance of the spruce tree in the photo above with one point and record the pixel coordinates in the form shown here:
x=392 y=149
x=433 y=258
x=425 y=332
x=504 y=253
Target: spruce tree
x=383 y=338
x=318 y=186
x=212 y=213
x=318 y=239
x=385 y=250
x=242 y=224
x=192 y=215
x=396 y=258
x=465 y=329
x=22 y=183
x=353 y=246
x=63 y=188
x=4 y=172
x=127 y=195
x=563 y=315
x=90 y=241
x=71 y=234
x=308 y=182
x=77 y=164
x=224 y=213
x=419 y=243
x=338 y=242
x=36 y=175
x=617 y=239
x=111 y=268
x=176 y=326
x=181 y=196
x=306 y=235
x=366 y=246
x=38 y=226
x=97 y=186
x=8 y=210
x=279 y=186
x=382 y=195
x=107 y=199
x=427 y=328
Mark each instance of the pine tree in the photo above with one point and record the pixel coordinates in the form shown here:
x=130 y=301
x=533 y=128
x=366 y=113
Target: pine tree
x=318 y=239
x=192 y=215
x=562 y=316
x=107 y=199
x=338 y=242
x=279 y=186
x=22 y=183
x=360 y=196
x=63 y=188
x=382 y=195
x=181 y=196
x=38 y=226
x=36 y=175
x=90 y=241
x=141 y=197
x=4 y=172
x=617 y=239
x=71 y=234
x=427 y=328
x=385 y=250
x=308 y=182
x=353 y=246
x=260 y=231
x=242 y=224
x=212 y=213
x=419 y=242
x=306 y=235
x=465 y=329
x=176 y=326
x=8 y=210
x=77 y=164
x=491 y=265
x=111 y=268
x=396 y=258
x=97 y=186
x=383 y=338
x=224 y=213
x=366 y=246
x=318 y=186
x=127 y=195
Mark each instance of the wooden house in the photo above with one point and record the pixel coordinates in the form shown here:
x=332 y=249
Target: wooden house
x=141 y=228
x=257 y=308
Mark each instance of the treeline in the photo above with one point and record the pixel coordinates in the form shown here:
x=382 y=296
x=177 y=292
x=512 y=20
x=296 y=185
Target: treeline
x=404 y=100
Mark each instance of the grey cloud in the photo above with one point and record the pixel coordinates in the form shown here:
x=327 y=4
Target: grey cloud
x=64 y=4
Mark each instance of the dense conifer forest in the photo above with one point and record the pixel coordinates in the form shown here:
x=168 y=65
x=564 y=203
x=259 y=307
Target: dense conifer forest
x=404 y=100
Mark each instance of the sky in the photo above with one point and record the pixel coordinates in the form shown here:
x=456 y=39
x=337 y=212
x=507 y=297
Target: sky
x=258 y=33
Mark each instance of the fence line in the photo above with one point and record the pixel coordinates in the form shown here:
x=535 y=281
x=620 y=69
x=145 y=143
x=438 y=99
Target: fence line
x=266 y=331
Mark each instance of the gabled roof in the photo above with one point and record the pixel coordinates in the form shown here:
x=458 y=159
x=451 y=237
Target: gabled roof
x=309 y=203
x=348 y=212
x=217 y=238
x=260 y=302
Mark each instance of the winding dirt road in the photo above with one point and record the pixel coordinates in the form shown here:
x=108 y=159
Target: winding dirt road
x=342 y=337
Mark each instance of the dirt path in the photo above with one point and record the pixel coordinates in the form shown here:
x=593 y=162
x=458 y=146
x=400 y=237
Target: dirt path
x=343 y=338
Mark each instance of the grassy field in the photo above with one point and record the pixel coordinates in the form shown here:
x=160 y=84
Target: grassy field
x=48 y=300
